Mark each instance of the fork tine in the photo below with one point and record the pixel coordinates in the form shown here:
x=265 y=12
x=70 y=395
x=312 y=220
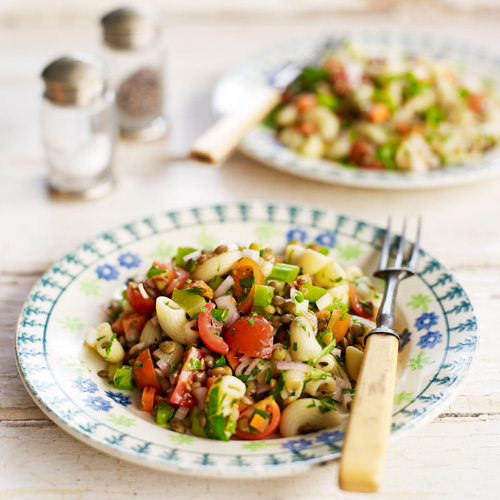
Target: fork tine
x=416 y=247
x=386 y=246
x=401 y=247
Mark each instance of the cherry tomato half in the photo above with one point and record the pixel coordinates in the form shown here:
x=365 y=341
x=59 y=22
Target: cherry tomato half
x=251 y=335
x=143 y=371
x=178 y=282
x=138 y=301
x=355 y=304
x=266 y=412
x=182 y=394
x=210 y=331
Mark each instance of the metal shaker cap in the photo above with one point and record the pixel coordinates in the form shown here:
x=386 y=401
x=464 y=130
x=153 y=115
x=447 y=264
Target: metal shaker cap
x=74 y=80
x=130 y=28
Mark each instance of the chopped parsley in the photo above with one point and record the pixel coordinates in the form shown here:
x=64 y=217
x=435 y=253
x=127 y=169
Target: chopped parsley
x=269 y=374
x=153 y=271
x=327 y=404
x=220 y=362
x=251 y=320
x=312 y=405
x=280 y=386
x=247 y=282
x=256 y=371
x=220 y=314
x=193 y=365
x=243 y=378
x=295 y=346
x=139 y=364
x=108 y=347
x=232 y=331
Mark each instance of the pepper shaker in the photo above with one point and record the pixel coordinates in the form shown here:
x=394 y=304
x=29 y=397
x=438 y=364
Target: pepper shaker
x=135 y=51
x=79 y=126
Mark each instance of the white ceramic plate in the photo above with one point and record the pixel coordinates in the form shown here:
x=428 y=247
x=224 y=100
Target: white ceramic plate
x=237 y=84
x=61 y=374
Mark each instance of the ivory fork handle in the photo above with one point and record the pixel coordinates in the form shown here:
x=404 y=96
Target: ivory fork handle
x=217 y=142
x=365 y=443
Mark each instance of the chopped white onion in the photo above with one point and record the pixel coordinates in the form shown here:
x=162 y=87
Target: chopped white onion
x=192 y=256
x=324 y=302
x=163 y=366
x=340 y=384
x=143 y=291
x=251 y=366
x=224 y=287
x=251 y=254
x=293 y=365
x=200 y=393
x=336 y=351
x=226 y=301
x=312 y=318
x=236 y=317
x=182 y=412
x=154 y=321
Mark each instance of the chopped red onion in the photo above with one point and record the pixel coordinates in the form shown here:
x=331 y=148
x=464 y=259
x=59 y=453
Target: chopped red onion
x=312 y=319
x=251 y=254
x=224 y=287
x=182 y=412
x=200 y=393
x=192 y=256
x=262 y=388
x=236 y=317
x=165 y=385
x=154 y=321
x=293 y=365
x=150 y=283
x=336 y=351
x=337 y=395
x=346 y=399
x=132 y=335
x=343 y=384
x=251 y=366
x=163 y=366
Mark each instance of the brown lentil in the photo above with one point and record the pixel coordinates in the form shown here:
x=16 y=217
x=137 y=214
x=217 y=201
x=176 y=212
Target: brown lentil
x=278 y=301
x=202 y=419
x=220 y=371
x=251 y=388
x=289 y=307
x=287 y=318
x=344 y=344
x=322 y=325
x=267 y=254
x=208 y=252
x=279 y=310
x=123 y=338
x=209 y=360
x=177 y=426
x=358 y=346
x=221 y=249
x=273 y=383
x=201 y=259
x=303 y=280
x=277 y=285
x=103 y=373
x=270 y=309
x=200 y=377
x=357 y=329
x=279 y=354
x=194 y=385
x=276 y=321
x=350 y=338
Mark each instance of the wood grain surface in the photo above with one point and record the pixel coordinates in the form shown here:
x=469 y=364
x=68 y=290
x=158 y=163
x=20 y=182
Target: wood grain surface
x=455 y=456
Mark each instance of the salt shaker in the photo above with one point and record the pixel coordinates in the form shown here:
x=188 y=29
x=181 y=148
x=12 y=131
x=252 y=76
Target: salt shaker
x=79 y=126
x=134 y=49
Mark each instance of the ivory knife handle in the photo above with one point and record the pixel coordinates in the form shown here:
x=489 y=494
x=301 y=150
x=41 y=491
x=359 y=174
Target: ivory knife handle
x=217 y=142
x=365 y=444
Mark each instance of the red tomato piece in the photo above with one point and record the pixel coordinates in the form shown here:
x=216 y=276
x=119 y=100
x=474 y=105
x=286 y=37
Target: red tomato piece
x=138 y=301
x=268 y=406
x=143 y=371
x=178 y=282
x=210 y=331
x=355 y=304
x=135 y=321
x=251 y=335
x=233 y=358
x=306 y=102
x=148 y=399
x=182 y=394
x=162 y=280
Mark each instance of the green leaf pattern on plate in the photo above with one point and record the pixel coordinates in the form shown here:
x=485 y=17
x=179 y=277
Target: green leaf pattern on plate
x=71 y=323
x=403 y=396
x=420 y=301
x=90 y=286
x=419 y=362
x=162 y=251
x=122 y=420
x=350 y=251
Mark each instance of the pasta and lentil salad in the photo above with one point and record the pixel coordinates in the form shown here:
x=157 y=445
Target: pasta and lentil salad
x=389 y=111
x=238 y=341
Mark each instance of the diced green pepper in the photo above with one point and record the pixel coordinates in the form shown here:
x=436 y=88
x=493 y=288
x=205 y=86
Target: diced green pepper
x=181 y=253
x=112 y=370
x=164 y=413
x=220 y=314
x=263 y=295
x=284 y=272
x=313 y=292
x=215 y=282
x=192 y=303
x=123 y=378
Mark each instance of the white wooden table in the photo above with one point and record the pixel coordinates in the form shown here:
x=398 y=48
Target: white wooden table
x=455 y=456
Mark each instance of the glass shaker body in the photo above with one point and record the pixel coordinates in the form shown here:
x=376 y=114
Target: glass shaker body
x=79 y=144
x=138 y=77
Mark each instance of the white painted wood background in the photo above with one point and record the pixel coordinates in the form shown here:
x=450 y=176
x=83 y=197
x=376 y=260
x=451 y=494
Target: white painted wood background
x=455 y=456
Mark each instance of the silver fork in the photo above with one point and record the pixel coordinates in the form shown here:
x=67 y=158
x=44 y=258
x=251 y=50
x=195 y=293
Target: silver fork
x=365 y=443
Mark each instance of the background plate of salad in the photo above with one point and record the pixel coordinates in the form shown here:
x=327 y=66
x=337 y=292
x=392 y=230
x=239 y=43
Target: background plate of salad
x=376 y=110
x=439 y=337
